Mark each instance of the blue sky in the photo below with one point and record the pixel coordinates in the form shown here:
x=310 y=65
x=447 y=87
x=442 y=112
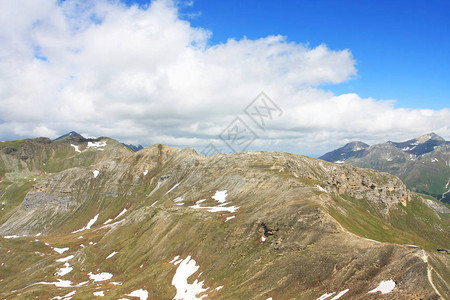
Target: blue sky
x=402 y=48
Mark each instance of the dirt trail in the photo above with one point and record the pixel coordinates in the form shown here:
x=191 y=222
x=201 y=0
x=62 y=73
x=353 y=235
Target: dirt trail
x=430 y=272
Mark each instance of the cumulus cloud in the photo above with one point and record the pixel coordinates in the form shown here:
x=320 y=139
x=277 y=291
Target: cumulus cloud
x=144 y=75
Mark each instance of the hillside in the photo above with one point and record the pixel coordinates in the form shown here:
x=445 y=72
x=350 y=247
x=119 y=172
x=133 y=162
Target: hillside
x=423 y=163
x=94 y=218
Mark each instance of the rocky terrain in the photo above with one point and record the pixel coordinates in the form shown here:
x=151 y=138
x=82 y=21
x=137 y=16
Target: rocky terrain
x=91 y=218
x=422 y=163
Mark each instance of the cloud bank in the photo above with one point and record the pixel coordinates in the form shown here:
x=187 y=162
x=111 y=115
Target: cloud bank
x=144 y=75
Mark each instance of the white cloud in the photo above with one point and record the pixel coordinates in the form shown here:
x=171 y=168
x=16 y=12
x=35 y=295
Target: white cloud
x=144 y=75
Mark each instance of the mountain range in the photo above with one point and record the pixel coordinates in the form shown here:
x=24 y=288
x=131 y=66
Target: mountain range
x=75 y=136
x=422 y=163
x=86 y=218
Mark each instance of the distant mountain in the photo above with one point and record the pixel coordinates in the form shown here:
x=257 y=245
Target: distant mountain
x=422 y=163
x=353 y=149
x=133 y=147
x=76 y=137
x=69 y=136
x=421 y=145
x=97 y=219
x=42 y=155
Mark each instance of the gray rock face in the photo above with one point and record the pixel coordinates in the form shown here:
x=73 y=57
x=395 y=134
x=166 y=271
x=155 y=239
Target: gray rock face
x=437 y=206
x=44 y=200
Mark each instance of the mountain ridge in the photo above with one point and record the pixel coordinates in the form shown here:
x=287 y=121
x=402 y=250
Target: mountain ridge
x=422 y=163
x=255 y=224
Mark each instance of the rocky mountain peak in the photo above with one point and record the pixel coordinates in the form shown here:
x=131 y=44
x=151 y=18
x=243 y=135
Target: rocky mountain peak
x=430 y=136
x=356 y=146
x=69 y=136
x=132 y=147
x=341 y=154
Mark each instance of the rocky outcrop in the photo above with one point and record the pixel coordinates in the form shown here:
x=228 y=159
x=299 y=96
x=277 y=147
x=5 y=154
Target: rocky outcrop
x=380 y=188
x=388 y=191
x=44 y=200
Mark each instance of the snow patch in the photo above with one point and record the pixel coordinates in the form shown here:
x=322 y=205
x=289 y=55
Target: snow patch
x=178 y=201
x=89 y=224
x=220 y=196
x=59 y=283
x=340 y=295
x=185 y=290
x=61 y=250
x=65 y=259
x=141 y=294
x=322 y=189
x=174 y=259
x=384 y=287
x=99 y=294
x=145 y=172
x=229 y=218
x=95 y=172
x=326 y=295
x=121 y=213
x=111 y=255
x=231 y=209
x=172 y=189
x=63 y=271
x=11 y=236
x=92 y=221
x=100 y=277
x=76 y=148
x=65 y=297
x=96 y=145
x=112 y=224
x=263 y=239
x=339 y=162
